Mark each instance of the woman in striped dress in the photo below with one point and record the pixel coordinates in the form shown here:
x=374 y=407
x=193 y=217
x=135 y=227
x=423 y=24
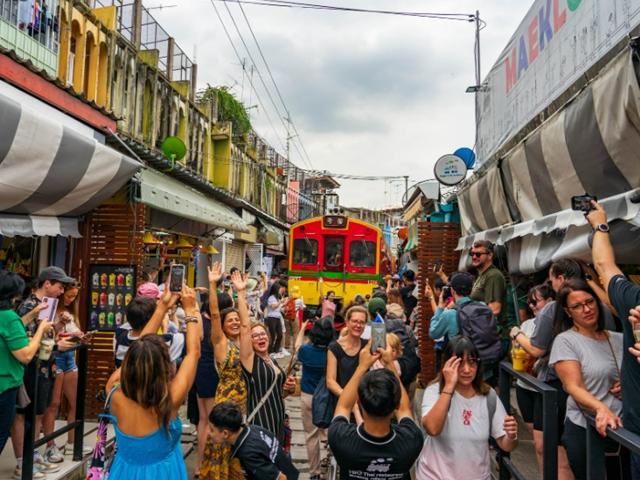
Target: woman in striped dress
x=265 y=379
x=225 y=334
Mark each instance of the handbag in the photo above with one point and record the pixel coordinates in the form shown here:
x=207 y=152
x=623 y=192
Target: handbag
x=23 y=399
x=323 y=405
x=100 y=461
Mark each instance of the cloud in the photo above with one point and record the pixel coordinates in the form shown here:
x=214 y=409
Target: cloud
x=369 y=94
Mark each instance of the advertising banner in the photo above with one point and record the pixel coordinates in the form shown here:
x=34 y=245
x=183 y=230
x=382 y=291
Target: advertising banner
x=557 y=41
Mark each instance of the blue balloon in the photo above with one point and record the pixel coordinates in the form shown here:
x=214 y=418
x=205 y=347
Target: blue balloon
x=467 y=156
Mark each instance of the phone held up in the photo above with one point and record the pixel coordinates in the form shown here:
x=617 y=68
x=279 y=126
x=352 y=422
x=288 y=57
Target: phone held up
x=176 y=277
x=582 y=203
x=50 y=311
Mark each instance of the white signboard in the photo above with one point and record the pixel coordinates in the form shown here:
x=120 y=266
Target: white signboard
x=556 y=43
x=450 y=170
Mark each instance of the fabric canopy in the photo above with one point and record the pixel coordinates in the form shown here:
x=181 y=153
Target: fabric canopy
x=38 y=226
x=169 y=195
x=592 y=145
x=50 y=169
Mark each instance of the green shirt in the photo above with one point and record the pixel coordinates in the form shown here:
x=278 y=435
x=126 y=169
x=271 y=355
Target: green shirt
x=489 y=287
x=12 y=337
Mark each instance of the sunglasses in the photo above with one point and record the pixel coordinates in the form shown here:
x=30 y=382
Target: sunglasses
x=477 y=254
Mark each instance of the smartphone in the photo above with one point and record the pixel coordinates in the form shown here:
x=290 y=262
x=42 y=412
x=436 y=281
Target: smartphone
x=446 y=291
x=50 y=311
x=378 y=334
x=176 y=277
x=582 y=203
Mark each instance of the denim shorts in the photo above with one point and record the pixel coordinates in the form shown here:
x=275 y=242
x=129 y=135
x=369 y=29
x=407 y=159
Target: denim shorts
x=65 y=362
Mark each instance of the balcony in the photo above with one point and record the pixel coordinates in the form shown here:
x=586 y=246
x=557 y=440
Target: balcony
x=31 y=31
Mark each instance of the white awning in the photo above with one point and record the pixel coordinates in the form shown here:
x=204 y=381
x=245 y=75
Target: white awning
x=618 y=207
x=170 y=195
x=38 y=226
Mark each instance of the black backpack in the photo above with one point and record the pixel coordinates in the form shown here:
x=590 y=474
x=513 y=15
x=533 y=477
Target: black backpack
x=477 y=322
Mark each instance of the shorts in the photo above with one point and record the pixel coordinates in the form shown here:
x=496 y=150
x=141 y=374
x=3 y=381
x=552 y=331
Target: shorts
x=562 y=408
x=65 y=362
x=206 y=382
x=45 y=387
x=526 y=402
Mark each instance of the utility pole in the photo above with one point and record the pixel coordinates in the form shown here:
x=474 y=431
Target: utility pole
x=406 y=189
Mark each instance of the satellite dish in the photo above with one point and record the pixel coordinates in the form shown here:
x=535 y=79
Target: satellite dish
x=174 y=149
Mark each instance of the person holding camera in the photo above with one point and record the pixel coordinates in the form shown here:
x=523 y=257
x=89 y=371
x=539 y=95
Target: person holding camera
x=625 y=297
x=444 y=322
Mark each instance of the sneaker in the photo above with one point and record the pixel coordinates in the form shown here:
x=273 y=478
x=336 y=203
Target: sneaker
x=67 y=450
x=43 y=465
x=53 y=455
x=37 y=474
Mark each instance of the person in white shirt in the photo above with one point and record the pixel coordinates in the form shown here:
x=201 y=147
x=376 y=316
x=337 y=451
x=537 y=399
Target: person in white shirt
x=459 y=414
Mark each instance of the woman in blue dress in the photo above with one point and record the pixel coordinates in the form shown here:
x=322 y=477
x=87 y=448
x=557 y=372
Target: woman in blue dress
x=147 y=396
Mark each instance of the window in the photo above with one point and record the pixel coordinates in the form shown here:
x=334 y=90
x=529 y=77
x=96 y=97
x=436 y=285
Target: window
x=334 y=252
x=37 y=19
x=362 y=254
x=305 y=251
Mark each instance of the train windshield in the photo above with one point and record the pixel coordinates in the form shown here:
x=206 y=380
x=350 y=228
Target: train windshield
x=305 y=251
x=362 y=253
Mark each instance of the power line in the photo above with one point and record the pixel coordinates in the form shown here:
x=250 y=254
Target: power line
x=465 y=17
x=290 y=121
x=224 y=27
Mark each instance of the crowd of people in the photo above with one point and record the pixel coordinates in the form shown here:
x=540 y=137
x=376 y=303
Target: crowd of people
x=218 y=350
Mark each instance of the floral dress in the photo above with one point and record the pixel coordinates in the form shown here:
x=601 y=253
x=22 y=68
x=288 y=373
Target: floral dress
x=216 y=464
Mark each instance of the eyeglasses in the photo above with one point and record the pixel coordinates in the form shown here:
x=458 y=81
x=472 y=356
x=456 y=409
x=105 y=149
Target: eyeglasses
x=259 y=335
x=472 y=362
x=477 y=254
x=591 y=303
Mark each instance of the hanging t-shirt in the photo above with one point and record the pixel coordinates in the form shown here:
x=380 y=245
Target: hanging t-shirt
x=598 y=366
x=461 y=451
x=365 y=457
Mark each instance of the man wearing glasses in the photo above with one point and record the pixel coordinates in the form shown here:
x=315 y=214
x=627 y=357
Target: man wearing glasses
x=490 y=286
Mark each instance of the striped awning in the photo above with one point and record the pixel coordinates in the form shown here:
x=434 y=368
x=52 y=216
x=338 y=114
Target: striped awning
x=49 y=169
x=38 y=226
x=592 y=145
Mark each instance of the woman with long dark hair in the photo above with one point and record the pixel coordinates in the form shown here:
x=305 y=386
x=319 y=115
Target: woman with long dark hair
x=313 y=357
x=16 y=349
x=587 y=359
x=273 y=316
x=459 y=413
x=266 y=382
x=66 y=371
x=225 y=338
x=146 y=397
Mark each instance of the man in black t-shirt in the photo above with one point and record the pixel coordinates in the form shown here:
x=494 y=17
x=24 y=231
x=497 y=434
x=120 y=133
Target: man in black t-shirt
x=258 y=450
x=376 y=449
x=624 y=296
x=409 y=300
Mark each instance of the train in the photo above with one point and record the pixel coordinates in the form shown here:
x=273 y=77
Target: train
x=336 y=253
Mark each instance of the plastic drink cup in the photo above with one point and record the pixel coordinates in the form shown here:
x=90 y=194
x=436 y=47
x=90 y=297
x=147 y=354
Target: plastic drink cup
x=636 y=331
x=519 y=357
x=46 y=347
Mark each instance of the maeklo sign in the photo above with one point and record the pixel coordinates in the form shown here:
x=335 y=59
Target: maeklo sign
x=450 y=170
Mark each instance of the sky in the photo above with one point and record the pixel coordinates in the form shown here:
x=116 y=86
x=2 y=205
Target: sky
x=369 y=94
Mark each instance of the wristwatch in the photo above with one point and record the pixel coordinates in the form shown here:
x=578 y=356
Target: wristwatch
x=603 y=227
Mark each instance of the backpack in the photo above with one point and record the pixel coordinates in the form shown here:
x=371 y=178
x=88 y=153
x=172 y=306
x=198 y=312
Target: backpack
x=477 y=322
x=410 y=361
x=289 y=309
x=323 y=405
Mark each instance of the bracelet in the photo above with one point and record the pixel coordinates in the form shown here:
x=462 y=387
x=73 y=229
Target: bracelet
x=513 y=337
x=447 y=393
x=190 y=319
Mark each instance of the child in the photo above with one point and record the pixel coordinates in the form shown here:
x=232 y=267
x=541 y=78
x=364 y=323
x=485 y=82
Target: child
x=259 y=452
x=396 y=346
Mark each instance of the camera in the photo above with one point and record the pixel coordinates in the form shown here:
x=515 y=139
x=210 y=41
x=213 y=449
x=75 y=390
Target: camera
x=582 y=203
